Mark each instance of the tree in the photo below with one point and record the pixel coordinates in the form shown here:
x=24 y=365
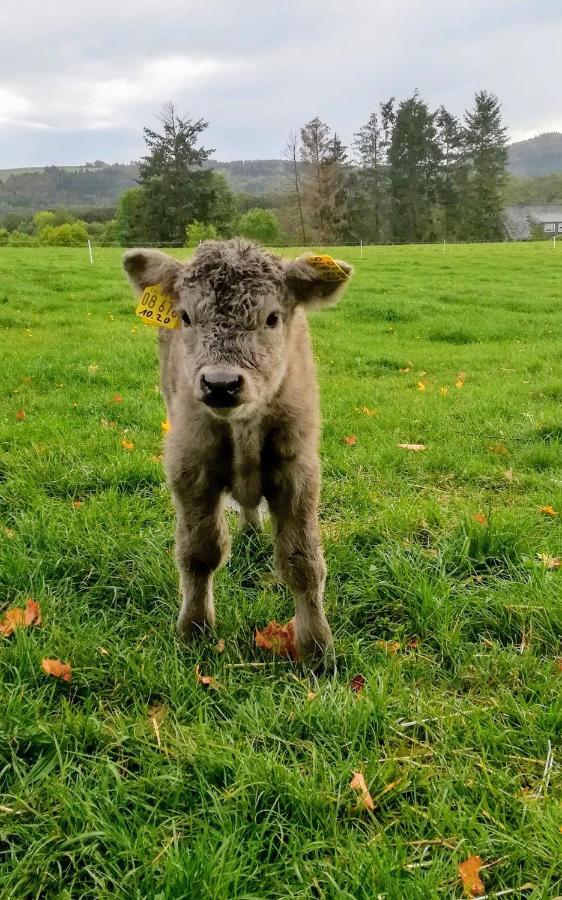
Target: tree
x=131 y=217
x=197 y=232
x=4 y=236
x=261 y=225
x=177 y=189
x=295 y=206
x=453 y=173
x=42 y=219
x=69 y=234
x=223 y=209
x=369 y=192
x=486 y=147
x=413 y=158
x=324 y=179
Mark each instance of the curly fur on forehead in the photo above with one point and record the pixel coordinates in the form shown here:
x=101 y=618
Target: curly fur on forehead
x=237 y=264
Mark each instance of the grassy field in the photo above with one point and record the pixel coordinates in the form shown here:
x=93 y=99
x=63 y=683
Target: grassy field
x=133 y=780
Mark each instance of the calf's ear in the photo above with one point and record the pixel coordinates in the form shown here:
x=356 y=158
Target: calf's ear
x=148 y=267
x=308 y=286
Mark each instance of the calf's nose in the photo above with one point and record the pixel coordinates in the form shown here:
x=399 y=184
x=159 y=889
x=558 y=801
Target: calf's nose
x=220 y=387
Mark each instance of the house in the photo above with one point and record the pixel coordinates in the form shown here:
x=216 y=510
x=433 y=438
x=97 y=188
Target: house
x=523 y=221
x=550 y=222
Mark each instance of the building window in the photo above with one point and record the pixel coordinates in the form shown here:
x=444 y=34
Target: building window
x=550 y=228
x=560 y=226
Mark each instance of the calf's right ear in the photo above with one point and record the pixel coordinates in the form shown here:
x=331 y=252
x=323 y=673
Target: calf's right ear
x=148 y=267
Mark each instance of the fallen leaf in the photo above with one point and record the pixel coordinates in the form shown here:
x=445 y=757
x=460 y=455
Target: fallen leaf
x=443 y=391
x=103 y=651
x=469 y=872
x=350 y=440
x=310 y=695
x=368 y=412
x=92 y=369
x=9 y=532
x=413 y=643
x=548 y=511
x=500 y=449
x=416 y=448
x=166 y=426
x=206 y=680
x=57 y=668
x=77 y=503
x=128 y=445
x=421 y=385
x=390 y=647
x=20 y=415
x=20 y=618
x=548 y=561
x=220 y=646
x=156 y=457
x=508 y=474
x=280 y=639
x=156 y=715
x=481 y=518
x=359 y=785
x=459 y=384
x=106 y=423
x=117 y=398
x=357 y=683
x=404 y=371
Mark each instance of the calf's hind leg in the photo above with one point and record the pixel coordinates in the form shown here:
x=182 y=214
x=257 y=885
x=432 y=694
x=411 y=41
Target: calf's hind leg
x=202 y=545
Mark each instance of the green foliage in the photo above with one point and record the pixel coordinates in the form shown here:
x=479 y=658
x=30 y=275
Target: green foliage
x=223 y=208
x=43 y=219
x=21 y=237
x=541 y=189
x=197 y=232
x=261 y=225
x=132 y=217
x=133 y=781
x=486 y=147
x=110 y=234
x=4 y=236
x=69 y=234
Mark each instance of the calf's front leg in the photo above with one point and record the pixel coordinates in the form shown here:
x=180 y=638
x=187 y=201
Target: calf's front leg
x=202 y=545
x=299 y=557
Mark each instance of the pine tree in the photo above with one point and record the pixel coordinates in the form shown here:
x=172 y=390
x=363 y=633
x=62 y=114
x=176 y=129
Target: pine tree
x=486 y=146
x=178 y=191
x=452 y=184
x=370 y=184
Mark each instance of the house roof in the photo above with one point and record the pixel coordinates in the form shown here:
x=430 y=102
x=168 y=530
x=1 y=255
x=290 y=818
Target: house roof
x=544 y=218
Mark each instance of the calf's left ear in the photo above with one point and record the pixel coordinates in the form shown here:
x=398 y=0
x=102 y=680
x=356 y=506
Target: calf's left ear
x=148 y=267
x=308 y=283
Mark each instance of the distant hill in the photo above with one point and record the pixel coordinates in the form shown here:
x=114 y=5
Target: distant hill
x=541 y=155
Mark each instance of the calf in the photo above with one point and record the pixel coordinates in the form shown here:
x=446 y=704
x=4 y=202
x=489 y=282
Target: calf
x=240 y=388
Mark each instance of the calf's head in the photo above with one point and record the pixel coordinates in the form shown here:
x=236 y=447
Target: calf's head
x=236 y=303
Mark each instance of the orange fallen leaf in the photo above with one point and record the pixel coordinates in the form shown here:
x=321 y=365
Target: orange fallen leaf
x=390 y=647
x=357 y=683
x=350 y=440
x=128 y=445
x=548 y=511
x=480 y=517
x=57 y=668
x=548 y=561
x=166 y=426
x=310 y=695
x=20 y=618
x=117 y=398
x=416 y=448
x=459 y=384
x=77 y=503
x=20 y=415
x=422 y=385
x=469 y=872
x=93 y=368
x=206 y=680
x=280 y=639
x=368 y=412
x=359 y=785
x=413 y=643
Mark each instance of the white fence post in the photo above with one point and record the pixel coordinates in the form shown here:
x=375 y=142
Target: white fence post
x=90 y=251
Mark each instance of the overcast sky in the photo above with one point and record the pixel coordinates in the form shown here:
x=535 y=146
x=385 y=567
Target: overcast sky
x=79 y=80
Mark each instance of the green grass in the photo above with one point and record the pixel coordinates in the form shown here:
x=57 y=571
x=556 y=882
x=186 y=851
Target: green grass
x=245 y=794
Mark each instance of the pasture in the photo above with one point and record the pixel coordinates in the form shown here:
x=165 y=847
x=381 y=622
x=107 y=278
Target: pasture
x=134 y=780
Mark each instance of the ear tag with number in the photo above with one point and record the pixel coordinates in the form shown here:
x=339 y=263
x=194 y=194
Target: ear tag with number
x=157 y=308
x=327 y=268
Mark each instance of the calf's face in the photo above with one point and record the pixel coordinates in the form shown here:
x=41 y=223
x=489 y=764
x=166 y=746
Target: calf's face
x=236 y=304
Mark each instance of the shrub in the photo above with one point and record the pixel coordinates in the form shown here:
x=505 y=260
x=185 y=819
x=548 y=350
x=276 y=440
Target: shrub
x=65 y=235
x=260 y=225
x=197 y=232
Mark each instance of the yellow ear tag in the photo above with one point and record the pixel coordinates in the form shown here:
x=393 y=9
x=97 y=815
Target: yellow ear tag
x=327 y=268
x=157 y=308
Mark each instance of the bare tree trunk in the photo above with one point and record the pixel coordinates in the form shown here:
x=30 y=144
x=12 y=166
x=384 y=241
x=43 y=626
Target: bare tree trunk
x=291 y=152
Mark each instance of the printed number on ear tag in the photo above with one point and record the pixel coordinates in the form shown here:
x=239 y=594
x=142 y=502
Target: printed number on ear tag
x=157 y=308
x=328 y=269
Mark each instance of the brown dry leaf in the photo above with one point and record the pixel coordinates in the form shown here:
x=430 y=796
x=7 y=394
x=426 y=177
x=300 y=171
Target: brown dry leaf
x=310 y=695
x=280 y=639
x=220 y=646
x=127 y=445
x=20 y=415
x=359 y=785
x=390 y=647
x=206 y=680
x=20 y=618
x=413 y=643
x=350 y=440
x=117 y=398
x=481 y=518
x=469 y=872
x=103 y=651
x=57 y=668
x=415 y=448
x=548 y=511
x=77 y=503
x=500 y=449
x=357 y=683
x=548 y=561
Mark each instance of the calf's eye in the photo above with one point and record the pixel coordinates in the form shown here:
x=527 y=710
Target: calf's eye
x=272 y=320
x=185 y=318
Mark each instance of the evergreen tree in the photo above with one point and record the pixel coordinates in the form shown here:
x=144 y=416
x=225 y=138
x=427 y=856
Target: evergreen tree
x=177 y=189
x=369 y=190
x=486 y=147
x=453 y=174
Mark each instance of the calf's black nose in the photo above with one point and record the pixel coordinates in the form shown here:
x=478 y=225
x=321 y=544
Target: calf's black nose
x=220 y=388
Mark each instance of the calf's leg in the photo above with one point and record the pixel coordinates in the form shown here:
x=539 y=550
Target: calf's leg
x=202 y=545
x=299 y=557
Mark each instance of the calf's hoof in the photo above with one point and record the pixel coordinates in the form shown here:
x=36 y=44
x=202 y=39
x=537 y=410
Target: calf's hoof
x=315 y=644
x=190 y=626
